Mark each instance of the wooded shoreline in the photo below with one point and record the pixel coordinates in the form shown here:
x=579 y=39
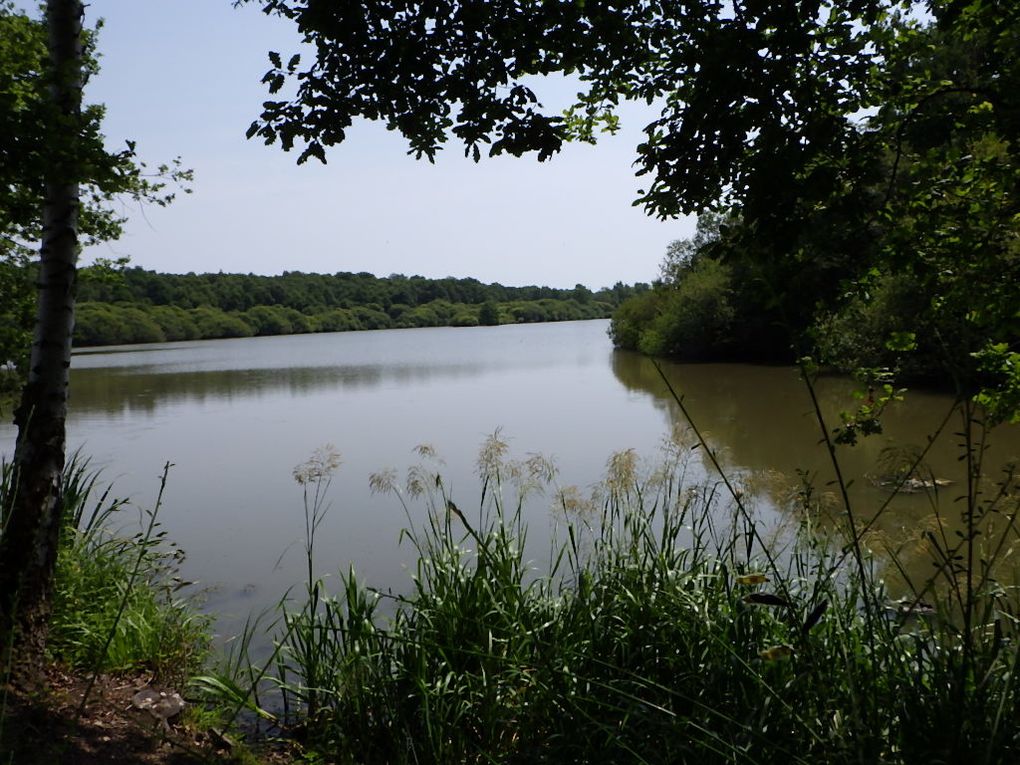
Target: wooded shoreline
x=138 y=306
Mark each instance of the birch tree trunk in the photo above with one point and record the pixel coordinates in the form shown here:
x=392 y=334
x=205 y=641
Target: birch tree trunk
x=28 y=547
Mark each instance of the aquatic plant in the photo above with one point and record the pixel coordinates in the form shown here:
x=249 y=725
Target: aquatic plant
x=659 y=632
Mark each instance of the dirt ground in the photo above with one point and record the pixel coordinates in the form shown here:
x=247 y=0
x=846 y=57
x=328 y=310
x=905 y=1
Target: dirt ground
x=38 y=726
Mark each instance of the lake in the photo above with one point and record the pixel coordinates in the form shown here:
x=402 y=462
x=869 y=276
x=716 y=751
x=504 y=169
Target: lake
x=236 y=416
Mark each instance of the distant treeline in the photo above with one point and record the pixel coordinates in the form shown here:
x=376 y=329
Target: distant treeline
x=139 y=306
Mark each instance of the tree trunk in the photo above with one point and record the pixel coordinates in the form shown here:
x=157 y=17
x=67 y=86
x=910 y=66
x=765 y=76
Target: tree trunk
x=28 y=547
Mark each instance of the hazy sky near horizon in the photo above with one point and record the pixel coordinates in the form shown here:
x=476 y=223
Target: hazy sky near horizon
x=182 y=77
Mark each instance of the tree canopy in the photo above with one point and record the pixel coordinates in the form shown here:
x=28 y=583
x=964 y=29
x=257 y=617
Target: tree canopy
x=851 y=143
x=748 y=89
x=36 y=144
x=33 y=142
x=133 y=305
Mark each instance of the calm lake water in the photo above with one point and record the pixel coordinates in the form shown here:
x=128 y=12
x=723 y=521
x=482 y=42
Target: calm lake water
x=236 y=416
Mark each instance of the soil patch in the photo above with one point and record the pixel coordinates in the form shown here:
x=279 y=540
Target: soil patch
x=41 y=726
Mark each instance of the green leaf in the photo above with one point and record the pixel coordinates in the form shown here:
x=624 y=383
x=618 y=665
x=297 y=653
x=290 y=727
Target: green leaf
x=901 y=341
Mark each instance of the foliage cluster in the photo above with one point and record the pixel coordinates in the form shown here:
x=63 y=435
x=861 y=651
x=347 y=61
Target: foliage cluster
x=659 y=636
x=120 y=323
x=36 y=144
x=901 y=255
x=711 y=304
x=314 y=293
x=17 y=309
x=138 y=306
x=852 y=146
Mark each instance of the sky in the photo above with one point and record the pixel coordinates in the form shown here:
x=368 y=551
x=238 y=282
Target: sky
x=182 y=78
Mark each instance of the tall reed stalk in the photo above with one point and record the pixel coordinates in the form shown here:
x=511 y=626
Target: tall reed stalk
x=144 y=545
x=659 y=632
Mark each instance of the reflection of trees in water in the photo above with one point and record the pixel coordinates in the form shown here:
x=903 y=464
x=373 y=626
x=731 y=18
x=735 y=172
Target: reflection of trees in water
x=138 y=389
x=759 y=420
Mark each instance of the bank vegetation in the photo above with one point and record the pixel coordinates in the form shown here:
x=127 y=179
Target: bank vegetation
x=132 y=305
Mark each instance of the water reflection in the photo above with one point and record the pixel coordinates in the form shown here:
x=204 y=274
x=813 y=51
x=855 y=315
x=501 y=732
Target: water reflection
x=235 y=416
x=762 y=417
x=145 y=377
x=145 y=390
x=761 y=423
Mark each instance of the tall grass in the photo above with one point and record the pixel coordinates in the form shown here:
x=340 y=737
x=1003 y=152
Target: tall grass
x=659 y=633
x=117 y=600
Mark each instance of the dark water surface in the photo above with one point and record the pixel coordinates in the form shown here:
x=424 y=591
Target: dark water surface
x=236 y=416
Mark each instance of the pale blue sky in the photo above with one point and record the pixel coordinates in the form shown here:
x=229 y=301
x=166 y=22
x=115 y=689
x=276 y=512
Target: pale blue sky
x=181 y=77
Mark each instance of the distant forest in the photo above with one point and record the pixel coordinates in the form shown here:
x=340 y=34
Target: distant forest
x=139 y=306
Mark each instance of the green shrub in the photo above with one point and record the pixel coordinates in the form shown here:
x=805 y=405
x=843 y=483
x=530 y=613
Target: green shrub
x=528 y=312
x=696 y=317
x=488 y=314
x=99 y=324
x=213 y=323
x=140 y=326
x=175 y=322
x=863 y=334
x=633 y=316
x=371 y=318
x=336 y=320
x=116 y=324
x=299 y=323
x=691 y=319
x=464 y=318
x=268 y=320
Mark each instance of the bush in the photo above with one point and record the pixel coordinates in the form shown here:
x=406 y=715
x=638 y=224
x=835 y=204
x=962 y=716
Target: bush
x=464 y=318
x=212 y=323
x=99 y=324
x=140 y=326
x=863 y=332
x=371 y=318
x=692 y=319
x=528 y=312
x=696 y=318
x=488 y=314
x=633 y=316
x=268 y=320
x=396 y=310
x=336 y=320
x=175 y=322
x=299 y=323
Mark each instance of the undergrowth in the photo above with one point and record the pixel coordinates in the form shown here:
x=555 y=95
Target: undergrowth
x=117 y=601
x=669 y=627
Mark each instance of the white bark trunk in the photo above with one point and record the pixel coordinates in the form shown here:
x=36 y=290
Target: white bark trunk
x=28 y=548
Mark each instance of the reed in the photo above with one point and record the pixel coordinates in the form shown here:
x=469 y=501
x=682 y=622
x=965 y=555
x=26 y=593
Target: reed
x=659 y=632
x=118 y=601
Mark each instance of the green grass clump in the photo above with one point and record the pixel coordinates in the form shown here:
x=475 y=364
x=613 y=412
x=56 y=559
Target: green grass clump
x=117 y=603
x=659 y=635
